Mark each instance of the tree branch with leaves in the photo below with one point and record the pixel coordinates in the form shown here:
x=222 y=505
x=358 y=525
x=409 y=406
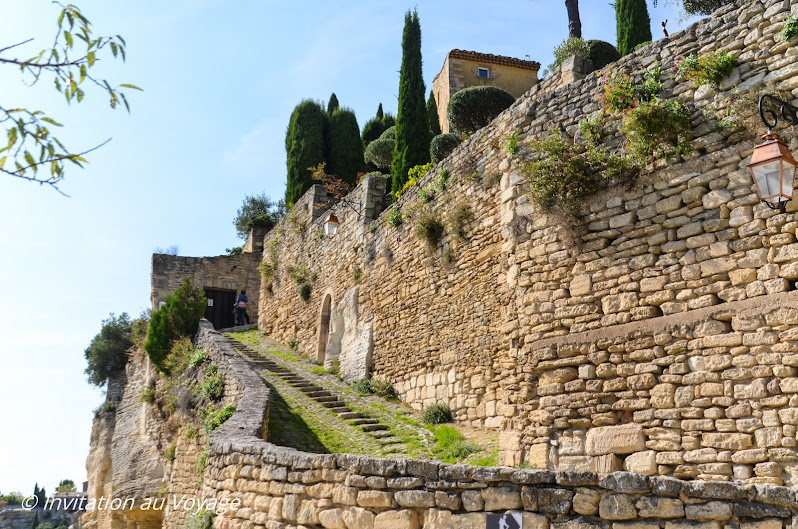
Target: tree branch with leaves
x=70 y=63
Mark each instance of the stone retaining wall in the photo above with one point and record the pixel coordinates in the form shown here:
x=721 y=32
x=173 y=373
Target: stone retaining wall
x=279 y=487
x=503 y=319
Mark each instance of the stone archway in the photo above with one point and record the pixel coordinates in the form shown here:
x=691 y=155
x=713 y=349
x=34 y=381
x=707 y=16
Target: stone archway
x=324 y=328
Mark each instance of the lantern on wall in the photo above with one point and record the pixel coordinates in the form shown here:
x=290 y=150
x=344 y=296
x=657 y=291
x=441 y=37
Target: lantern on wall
x=331 y=226
x=773 y=166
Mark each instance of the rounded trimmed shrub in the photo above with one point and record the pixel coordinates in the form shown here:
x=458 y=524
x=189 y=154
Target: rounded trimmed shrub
x=472 y=108
x=602 y=53
x=380 y=152
x=389 y=133
x=442 y=146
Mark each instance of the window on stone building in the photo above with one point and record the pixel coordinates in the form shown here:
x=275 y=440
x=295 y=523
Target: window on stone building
x=483 y=72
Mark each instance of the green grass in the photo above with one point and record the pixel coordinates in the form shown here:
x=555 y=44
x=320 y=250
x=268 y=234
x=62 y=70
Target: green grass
x=306 y=426
x=487 y=459
x=451 y=445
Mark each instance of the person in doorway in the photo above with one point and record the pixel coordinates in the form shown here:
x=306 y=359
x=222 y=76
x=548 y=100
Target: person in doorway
x=241 y=305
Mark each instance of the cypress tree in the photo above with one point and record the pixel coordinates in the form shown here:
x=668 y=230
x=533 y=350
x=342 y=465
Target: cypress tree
x=379 y=111
x=633 y=24
x=412 y=120
x=432 y=110
x=333 y=105
x=344 y=146
x=304 y=147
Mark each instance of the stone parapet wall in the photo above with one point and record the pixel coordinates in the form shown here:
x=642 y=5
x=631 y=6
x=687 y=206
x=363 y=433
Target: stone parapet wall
x=472 y=322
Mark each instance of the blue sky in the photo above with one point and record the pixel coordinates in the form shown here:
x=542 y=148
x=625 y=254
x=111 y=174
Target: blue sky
x=220 y=79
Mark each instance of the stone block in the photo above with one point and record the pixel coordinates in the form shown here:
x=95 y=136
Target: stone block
x=469 y=521
x=711 y=510
x=404 y=519
x=617 y=507
x=621 y=439
x=586 y=502
x=653 y=507
x=641 y=463
x=501 y=498
x=414 y=498
x=374 y=498
x=332 y=519
x=726 y=441
x=554 y=500
x=438 y=519
x=619 y=302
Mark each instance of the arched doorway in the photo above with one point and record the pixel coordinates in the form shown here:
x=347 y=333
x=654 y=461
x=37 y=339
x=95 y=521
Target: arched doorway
x=324 y=328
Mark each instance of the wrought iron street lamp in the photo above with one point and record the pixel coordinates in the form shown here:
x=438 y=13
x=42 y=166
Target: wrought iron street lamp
x=773 y=166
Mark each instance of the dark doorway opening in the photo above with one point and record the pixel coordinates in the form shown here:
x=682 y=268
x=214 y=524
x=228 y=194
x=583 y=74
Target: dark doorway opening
x=220 y=307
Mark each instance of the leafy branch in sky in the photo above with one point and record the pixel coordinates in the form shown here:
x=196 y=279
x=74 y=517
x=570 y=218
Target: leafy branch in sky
x=31 y=145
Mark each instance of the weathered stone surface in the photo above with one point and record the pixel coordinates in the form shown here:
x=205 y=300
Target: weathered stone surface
x=404 y=519
x=623 y=439
x=617 y=507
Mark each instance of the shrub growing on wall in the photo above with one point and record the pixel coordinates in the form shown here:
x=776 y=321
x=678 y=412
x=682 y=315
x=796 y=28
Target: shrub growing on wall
x=442 y=146
x=107 y=354
x=472 y=108
x=602 y=53
x=178 y=318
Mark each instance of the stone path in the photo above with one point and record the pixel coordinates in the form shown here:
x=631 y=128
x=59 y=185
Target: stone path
x=297 y=379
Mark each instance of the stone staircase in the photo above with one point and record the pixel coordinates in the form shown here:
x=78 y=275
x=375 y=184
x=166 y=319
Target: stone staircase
x=331 y=400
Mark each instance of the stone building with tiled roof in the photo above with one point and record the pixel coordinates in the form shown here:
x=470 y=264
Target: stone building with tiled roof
x=463 y=69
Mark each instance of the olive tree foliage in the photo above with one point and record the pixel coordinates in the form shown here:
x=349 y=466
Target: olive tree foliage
x=107 y=354
x=258 y=210
x=32 y=151
x=698 y=7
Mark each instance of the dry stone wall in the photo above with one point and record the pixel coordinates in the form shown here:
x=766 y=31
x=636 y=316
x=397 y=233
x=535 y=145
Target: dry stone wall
x=279 y=487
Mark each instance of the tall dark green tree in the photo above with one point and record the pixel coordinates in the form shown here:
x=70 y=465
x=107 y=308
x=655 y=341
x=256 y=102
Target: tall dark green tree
x=633 y=24
x=374 y=127
x=304 y=147
x=332 y=105
x=412 y=120
x=344 y=146
x=432 y=110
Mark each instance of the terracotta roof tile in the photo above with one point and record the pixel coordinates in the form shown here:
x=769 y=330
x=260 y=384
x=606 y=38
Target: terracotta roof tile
x=494 y=59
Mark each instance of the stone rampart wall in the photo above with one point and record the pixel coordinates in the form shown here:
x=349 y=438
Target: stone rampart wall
x=281 y=487
x=499 y=316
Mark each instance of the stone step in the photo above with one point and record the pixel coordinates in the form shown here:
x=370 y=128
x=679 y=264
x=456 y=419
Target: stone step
x=309 y=388
x=363 y=420
x=333 y=404
x=322 y=393
x=324 y=399
x=351 y=415
x=339 y=409
x=383 y=434
x=373 y=427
